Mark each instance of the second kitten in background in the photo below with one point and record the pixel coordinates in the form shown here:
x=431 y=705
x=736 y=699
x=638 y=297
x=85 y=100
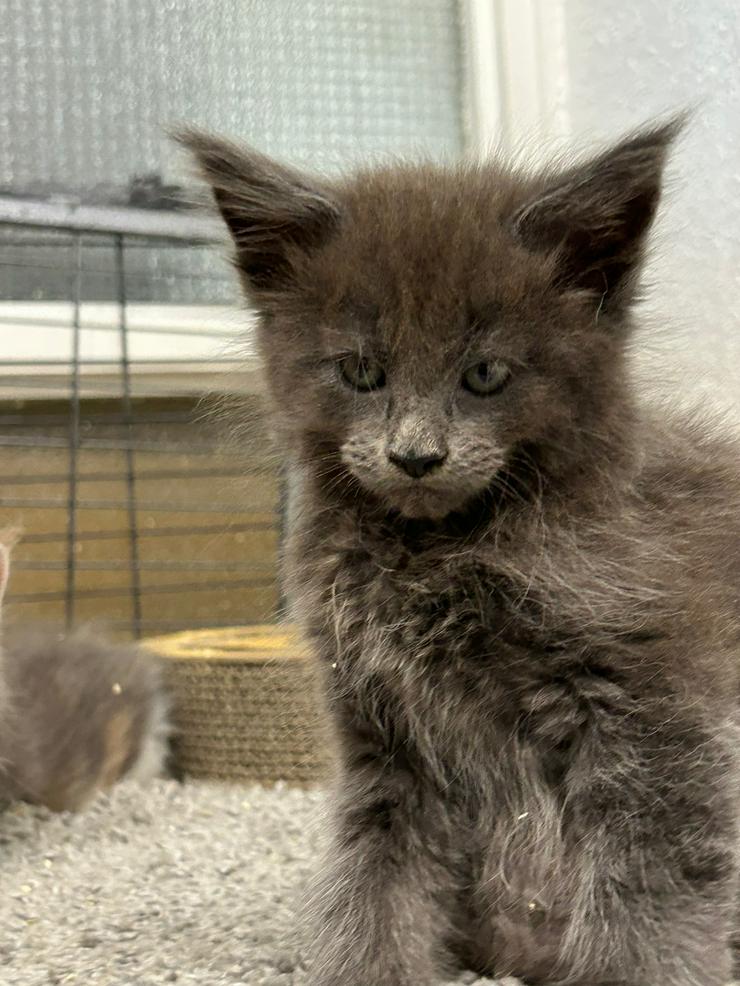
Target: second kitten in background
x=77 y=712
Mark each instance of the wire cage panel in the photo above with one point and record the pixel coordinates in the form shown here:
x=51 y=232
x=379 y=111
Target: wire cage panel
x=117 y=310
x=135 y=513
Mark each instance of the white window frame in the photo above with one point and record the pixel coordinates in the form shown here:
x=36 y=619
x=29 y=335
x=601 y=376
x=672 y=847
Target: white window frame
x=214 y=349
x=214 y=343
x=517 y=75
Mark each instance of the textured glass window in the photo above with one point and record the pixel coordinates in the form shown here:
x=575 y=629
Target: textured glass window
x=96 y=84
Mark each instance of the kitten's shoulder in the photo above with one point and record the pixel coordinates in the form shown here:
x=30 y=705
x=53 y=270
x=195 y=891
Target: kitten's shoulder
x=691 y=460
x=689 y=494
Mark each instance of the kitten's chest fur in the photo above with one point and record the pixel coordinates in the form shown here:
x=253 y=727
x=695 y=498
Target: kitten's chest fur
x=512 y=704
x=454 y=665
x=443 y=654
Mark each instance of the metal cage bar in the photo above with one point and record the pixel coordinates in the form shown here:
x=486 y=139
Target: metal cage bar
x=152 y=464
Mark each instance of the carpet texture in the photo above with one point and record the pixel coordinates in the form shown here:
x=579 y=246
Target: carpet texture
x=172 y=883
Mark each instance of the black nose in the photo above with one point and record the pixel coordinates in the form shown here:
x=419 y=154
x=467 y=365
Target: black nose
x=416 y=466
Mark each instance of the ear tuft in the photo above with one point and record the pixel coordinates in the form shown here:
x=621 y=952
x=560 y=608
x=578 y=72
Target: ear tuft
x=270 y=210
x=596 y=216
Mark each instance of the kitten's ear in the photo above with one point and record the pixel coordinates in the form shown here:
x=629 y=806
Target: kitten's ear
x=597 y=216
x=271 y=210
x=9 y=537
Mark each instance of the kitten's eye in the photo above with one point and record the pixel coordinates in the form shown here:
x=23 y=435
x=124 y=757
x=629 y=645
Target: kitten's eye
x=362 y=372
x=485 y=379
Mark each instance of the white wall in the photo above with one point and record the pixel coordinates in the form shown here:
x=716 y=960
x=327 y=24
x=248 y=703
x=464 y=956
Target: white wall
x=632 y=59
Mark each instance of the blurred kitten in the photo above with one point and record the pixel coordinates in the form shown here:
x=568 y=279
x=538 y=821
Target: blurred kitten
x=77 y=712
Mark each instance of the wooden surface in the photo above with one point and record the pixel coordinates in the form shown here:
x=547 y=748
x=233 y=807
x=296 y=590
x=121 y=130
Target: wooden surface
x=225 y=526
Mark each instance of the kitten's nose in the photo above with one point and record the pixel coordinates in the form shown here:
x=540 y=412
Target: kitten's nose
x=415 y=465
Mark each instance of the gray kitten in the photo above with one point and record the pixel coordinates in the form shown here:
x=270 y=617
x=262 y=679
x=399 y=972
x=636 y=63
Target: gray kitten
x=521 y=586
x=77 y=712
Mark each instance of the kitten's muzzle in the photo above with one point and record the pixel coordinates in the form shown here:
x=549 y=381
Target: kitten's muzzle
x=416 y=465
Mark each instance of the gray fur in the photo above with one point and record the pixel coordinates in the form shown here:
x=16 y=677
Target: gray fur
x=83 y=712
x=529 y=655
x=79 y=711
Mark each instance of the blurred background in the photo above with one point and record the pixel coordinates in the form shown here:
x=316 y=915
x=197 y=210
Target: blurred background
x=119 y=315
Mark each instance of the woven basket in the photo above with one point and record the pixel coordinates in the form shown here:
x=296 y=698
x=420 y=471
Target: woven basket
x=244 y=705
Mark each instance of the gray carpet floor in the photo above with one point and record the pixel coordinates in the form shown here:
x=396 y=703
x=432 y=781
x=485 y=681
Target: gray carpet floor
x=184 y=884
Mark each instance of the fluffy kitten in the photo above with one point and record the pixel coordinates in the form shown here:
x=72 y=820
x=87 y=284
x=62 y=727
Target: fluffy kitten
x=77 y=713
x=521 y=588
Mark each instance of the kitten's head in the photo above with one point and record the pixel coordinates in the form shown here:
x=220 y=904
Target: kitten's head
x=430 y=333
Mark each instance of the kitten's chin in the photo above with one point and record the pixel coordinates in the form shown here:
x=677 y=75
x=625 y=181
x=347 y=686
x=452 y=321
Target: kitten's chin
x=416 y=500
x=423 y=504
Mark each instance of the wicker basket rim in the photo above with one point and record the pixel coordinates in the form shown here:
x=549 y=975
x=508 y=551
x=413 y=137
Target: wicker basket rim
x=262 y=643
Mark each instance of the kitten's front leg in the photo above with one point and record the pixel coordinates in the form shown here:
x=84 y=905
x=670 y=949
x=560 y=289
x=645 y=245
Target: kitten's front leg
x=376 y=909
x=647 y=894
